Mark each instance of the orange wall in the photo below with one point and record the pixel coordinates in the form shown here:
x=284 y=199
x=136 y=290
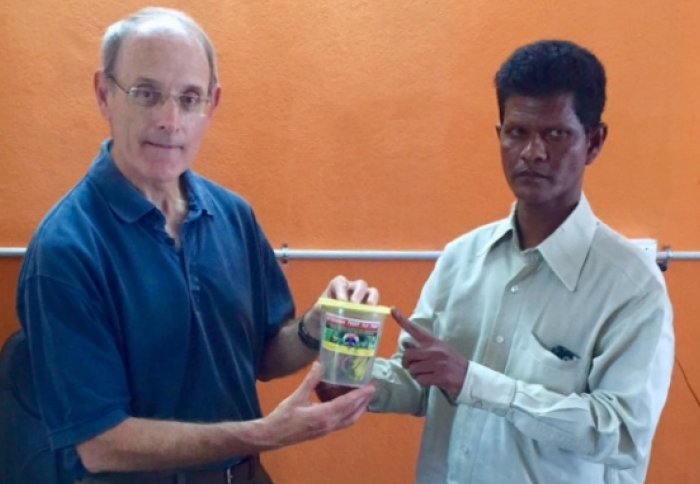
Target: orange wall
x=360 y=124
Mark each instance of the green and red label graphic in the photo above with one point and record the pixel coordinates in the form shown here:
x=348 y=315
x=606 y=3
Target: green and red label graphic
x=349 y=336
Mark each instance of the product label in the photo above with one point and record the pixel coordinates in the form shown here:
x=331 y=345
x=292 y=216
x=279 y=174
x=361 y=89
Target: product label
x=349 y=336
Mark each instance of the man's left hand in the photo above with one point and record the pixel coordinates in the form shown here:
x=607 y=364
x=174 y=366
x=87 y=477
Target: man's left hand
x=357 y=291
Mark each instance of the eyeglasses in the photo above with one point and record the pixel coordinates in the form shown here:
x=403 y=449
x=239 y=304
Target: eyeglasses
x=148 y=97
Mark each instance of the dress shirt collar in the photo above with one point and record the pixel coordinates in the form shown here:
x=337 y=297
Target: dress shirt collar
x=566 y=249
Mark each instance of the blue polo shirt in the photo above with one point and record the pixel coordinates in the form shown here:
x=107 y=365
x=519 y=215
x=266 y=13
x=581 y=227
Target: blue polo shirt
x=123 y=323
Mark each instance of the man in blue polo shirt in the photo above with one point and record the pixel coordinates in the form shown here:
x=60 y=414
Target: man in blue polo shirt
x=151 y=298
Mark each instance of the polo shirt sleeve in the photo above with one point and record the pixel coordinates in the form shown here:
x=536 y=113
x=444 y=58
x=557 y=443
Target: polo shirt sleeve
x=82 y=389
x=278 y=297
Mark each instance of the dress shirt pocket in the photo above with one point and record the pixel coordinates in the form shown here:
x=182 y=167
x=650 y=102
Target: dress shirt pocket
x=538 y=363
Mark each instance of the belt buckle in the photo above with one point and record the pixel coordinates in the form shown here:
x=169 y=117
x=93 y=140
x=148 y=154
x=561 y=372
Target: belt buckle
x=229 y=475
x=245 y=467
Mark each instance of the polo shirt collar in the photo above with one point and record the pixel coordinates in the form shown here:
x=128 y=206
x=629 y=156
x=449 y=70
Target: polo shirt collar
x=125 y=200
x=199 y=198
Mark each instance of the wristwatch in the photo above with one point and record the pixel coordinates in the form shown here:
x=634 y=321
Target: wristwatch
x=306 y=338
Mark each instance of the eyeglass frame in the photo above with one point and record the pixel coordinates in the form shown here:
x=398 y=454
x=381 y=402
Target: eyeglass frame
x=162 y=98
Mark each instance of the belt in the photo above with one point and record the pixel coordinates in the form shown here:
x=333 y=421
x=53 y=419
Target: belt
x=249 y=470
x=242 y=472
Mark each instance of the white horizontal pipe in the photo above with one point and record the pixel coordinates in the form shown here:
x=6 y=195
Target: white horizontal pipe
x=12 y=251
x=678 y=255
x=323 y=254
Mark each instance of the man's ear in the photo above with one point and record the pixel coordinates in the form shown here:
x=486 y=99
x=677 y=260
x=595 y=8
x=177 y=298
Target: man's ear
x=215 y=98
x=596 y=139
x=101 y=85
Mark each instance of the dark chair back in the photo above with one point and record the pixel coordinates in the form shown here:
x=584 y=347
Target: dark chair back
x=25 y=455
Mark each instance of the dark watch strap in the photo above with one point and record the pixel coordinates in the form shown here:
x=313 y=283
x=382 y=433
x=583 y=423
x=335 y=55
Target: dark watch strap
x=306 y=338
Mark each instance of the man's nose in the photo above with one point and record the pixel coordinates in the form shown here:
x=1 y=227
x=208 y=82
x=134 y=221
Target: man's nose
x=168 y=115
x=535 y=149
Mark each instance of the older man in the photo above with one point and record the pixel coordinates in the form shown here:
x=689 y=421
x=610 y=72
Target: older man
x=151 y=298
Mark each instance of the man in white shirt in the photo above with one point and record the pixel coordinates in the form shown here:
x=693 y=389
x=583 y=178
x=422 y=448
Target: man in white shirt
x=541 y=348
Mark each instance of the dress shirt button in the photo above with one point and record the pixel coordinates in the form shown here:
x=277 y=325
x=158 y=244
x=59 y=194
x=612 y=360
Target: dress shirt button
x=514 y=289
x=500 y=339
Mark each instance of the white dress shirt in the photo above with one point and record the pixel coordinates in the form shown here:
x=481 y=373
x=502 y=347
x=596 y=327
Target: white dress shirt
x=571 y=352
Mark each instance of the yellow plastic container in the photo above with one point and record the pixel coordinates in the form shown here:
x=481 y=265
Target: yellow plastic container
x=349 y=340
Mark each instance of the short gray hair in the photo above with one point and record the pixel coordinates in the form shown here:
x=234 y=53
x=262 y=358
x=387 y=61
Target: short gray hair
x=117 y=32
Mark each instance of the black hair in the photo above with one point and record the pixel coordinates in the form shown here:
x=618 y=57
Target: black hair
x=550 y=68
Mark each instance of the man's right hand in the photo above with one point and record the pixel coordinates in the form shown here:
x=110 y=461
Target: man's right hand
x=298 y=418
x=138 y=444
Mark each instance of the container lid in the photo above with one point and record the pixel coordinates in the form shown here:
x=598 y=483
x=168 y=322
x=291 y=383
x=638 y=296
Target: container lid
x=326 y=302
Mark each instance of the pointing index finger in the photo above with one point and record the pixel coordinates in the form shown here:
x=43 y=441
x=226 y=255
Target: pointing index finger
x=421 y=335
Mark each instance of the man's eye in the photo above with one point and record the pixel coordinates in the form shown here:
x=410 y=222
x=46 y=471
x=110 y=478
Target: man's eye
x=189 y=100
x=145 y=95
x=515 y=132
x=556 y=134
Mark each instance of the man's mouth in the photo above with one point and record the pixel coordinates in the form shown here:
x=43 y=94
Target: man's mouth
x=164 y=146
x=530 y=174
